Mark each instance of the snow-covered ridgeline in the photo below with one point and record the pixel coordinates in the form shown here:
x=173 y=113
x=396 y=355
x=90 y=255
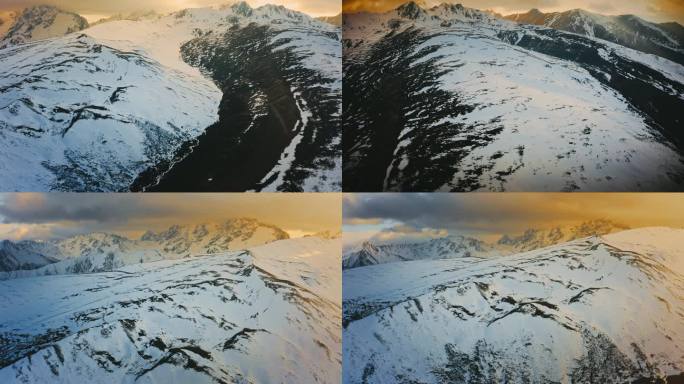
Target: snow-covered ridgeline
x=98 y=252
x=253 y=316
x=600 y=308
x=125 y=101
x=514 y=108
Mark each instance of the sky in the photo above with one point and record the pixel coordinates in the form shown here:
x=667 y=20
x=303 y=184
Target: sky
x=94 y=10
x=410 y=217
x=652 y=10
x=57 y=215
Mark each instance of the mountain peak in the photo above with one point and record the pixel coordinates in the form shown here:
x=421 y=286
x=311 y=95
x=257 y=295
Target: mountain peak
x=410 y=10
x=42 y=22
x=368 y=246
x=242 y=8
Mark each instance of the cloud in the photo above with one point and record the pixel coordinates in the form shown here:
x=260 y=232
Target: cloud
x=465 y=213
x=602 y=7
x=487 y=214
x=673 y=9
x=43 y=208
x=58 y=215
x=408 y=234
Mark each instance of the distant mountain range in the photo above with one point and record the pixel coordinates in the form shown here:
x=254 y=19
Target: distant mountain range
x=662 y=39
x=462 y=246
x=106 y=252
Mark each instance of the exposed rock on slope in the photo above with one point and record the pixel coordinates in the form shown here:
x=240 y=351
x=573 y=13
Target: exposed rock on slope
x=256 y=316
x=600 y=309
x=453 y=99
x=99 y=125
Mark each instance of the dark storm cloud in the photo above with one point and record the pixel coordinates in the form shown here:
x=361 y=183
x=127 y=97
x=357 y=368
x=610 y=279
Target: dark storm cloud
x=42 y=208
x=463 y=212
x=511 y=212
x=35 y=215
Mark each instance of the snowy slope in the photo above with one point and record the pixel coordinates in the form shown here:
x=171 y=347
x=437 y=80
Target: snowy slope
x=226 y=318
x=284 y=65
x=40 y=22
x=586 y=311
x=120 y=107
x=97 y=252
x=97 y=125
x=24 y=255
x=464 y=101
x=665 y=39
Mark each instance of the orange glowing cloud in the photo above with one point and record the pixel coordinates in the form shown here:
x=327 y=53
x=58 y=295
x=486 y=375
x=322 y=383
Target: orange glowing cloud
x=29 y=215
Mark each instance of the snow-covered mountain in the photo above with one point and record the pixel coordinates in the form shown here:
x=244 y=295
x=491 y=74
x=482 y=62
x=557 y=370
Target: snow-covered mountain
x=662 y=39
x=96 y=125
x=268 y=314
x=450 y=98
x=98 y=252
x=601 y=309
x=440 y=248
x=25 y=255
x=230 y=98
x=214 y=238
x=533 y=239
x=40 y=22
x=370 y=253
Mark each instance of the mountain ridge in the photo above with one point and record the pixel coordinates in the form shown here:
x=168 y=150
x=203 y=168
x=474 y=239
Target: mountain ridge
x=570 y=312
x=102 y=137
x=455 y=246
x=662 y=39
x=105 y=251
x=534 y=87
x=259 y=315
